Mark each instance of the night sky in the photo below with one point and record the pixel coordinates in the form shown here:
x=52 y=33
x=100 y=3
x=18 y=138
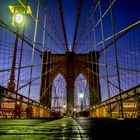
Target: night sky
x=125 y=12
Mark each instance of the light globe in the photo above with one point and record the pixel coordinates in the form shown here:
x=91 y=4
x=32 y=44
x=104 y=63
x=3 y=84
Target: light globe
x=19 y=18
x=81 y=95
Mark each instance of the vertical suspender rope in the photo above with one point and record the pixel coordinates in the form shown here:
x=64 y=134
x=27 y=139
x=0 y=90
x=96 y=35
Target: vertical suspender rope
x=21 y=52
x=34 y=45
x=117 y=64
x=43 y=47
x=105 y=57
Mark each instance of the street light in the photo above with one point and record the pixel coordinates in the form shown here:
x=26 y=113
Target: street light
x=81 y=95
x=18 y=20
x=74 y=112
x=74 y=109
x=64 y=106
x=19 y=12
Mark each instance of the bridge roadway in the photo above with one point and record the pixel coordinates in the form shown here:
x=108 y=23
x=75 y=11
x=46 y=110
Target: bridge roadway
x=68 y=128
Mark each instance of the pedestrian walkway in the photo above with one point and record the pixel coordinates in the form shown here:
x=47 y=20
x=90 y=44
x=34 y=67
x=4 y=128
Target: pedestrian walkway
x=36 y=129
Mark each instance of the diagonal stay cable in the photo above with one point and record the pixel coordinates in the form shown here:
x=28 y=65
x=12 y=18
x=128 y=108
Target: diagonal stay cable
x=62 y=22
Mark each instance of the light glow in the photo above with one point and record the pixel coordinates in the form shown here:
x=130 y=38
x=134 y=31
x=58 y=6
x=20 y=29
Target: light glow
x=81 y=95
x=64 y=106
x=74 y=109
x=19 y=18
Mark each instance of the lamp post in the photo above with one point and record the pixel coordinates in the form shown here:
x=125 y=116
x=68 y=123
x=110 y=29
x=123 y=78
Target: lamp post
x=64 y=106
x=81 y=95
x=18 y=20
x=74 y=112
x=11 y=83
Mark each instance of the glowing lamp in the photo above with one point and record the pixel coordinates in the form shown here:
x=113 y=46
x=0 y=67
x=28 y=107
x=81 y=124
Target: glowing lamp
x=19 y=12
x=19 y=18
x=18 y=102
x=64 y=106
x=81 y=95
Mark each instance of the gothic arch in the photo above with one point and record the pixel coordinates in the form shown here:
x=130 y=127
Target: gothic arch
x=81 y=85
x=59 y=92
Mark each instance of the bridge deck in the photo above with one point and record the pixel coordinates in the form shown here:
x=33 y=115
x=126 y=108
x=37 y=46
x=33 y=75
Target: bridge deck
x=68 y=128
x=41 y=129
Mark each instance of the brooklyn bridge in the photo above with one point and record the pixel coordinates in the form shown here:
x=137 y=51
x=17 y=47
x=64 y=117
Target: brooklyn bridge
x=69 y=69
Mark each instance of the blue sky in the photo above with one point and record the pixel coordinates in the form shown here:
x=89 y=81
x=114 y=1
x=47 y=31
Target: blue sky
x=125 y=12
x=70 y=11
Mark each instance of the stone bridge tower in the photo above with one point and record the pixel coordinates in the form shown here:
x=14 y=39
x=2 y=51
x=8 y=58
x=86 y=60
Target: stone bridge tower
x=70 y=65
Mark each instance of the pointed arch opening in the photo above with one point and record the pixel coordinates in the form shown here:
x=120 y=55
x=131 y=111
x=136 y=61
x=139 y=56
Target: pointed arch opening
x=59 y=93
x=81 y=93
